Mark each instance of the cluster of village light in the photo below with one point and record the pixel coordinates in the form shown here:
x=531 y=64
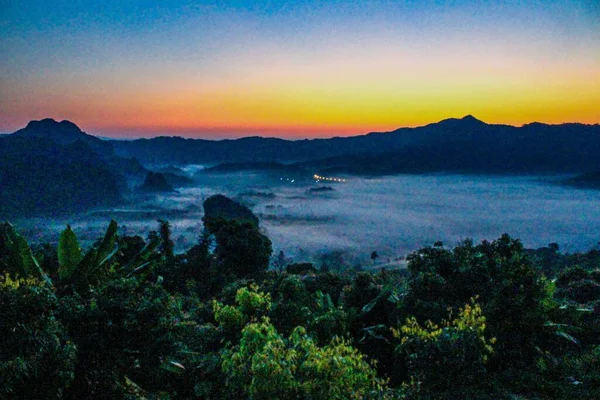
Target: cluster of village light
x=324 y=178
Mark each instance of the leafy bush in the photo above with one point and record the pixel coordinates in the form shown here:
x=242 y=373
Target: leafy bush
x=242 y=250
x=449 y=356
x=266 y=366
x=512 y=294
x=126 y=329
x=37 y=360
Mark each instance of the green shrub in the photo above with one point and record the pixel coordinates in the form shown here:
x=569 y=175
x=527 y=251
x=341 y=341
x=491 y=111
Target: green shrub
x=37 y=359
x=449 y=356
x=265 y=365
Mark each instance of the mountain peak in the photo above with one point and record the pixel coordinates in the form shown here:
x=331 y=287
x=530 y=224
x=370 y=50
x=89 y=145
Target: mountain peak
x=467 y=121
x=50 y=124
x=63 y=133
x=469 y=118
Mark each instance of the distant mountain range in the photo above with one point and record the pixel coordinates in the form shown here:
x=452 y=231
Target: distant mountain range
x=49 y=166
x=465 y=144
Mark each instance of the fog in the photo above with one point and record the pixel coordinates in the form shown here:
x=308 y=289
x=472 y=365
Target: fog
x=390 y=215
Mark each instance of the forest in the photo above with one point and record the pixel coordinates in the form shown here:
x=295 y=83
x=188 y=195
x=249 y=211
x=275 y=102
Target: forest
x=227 y=319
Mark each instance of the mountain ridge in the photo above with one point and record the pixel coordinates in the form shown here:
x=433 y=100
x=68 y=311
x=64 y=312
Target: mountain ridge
x=452 y=144
x=179 y=151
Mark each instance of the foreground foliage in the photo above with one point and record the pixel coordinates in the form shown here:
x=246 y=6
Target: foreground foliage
x=129 y=318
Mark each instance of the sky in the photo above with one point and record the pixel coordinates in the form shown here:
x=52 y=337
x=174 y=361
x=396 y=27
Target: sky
x=216 y=69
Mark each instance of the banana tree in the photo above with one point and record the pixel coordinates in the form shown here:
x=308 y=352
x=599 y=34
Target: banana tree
x=16 y=256
x=75 y=267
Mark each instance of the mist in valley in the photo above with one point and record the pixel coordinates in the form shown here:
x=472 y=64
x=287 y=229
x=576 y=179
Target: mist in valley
x=345 y=222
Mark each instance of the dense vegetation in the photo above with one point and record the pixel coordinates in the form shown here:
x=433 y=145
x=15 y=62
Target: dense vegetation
x=129 y=318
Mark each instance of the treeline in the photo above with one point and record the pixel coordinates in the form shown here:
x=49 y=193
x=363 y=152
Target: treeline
x=129 y=318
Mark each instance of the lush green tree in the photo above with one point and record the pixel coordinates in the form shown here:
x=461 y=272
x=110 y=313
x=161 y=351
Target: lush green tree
x=300 y=268
x=241 y=250
x=450 y=357
x=265 y=365
x=37 y=358
x=512 y=294
x=292 y=304
x=166 y=243
x=126 y=331
x=219 y=207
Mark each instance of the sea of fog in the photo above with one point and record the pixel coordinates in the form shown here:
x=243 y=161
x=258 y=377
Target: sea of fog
x=390 y=215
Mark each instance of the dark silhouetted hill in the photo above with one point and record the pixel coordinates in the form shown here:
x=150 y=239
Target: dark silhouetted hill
x=156 y=182
x=474 y=147
x=40 y=177
x=465 y=144
x=50 y=167
x=66 y=132
x=266 y=166
x=222 y=207
x=63 y=133
x=590 y=180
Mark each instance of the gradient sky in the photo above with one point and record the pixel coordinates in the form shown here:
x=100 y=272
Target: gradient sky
x=293 y=69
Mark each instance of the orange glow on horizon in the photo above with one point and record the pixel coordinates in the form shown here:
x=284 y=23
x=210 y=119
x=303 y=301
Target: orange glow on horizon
x=320 y=101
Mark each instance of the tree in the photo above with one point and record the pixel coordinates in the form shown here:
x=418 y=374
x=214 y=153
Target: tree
x=37 y=358
x=450 y=356
x=219 y=207
x=280 y=262
x=128 y=333
x=265 y=365
x=242 y=250
x=512 y=294
x=374 y=256
x=167 y=244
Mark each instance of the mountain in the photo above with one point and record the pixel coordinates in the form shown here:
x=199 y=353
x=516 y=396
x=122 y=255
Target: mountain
x=66 y=132
x=474 y=147
x=40 y=177
x=590 y=180
x=455 y=144
x=63 y=133
x=175 y=150
x=50 y=167
x=265 y=166
x=156 y=182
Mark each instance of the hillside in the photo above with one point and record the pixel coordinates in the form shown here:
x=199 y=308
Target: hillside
x=49 y=166
x=63 y=133
x=482 y=148
x=465 y=144
x=39 y=177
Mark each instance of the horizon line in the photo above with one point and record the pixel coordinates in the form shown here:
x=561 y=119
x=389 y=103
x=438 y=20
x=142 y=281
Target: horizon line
x=226 y=131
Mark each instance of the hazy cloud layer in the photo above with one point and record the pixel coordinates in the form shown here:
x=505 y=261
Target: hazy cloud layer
x=392 y=215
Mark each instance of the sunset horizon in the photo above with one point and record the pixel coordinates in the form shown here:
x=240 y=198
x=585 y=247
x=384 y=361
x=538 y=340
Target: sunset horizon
x=297 y=69
x=296 y=133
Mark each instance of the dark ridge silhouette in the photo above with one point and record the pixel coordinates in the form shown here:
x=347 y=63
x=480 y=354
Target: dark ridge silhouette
x=221 y=207
x=39 y=177
x=455 y=144
x=590 y=180
x=268 y=166
x=177 y=180
x=321 y=189
x=52 y=167
x=156 y=182
x=63 y=133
